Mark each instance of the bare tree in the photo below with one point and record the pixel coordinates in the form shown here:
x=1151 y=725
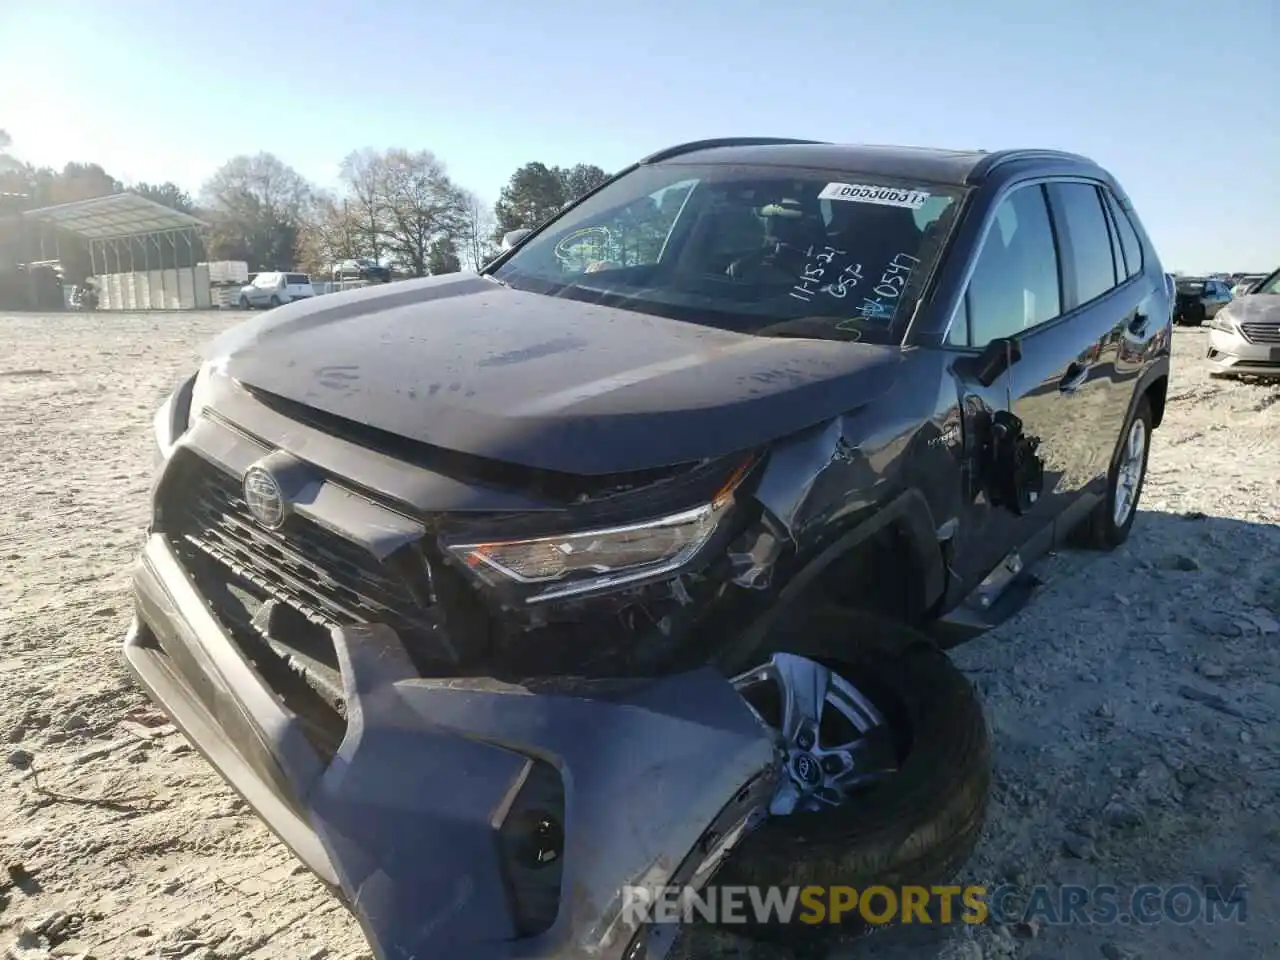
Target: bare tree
x=256 y=205
x=363 y=173
x=421 y=205
x=329 y=232
x=476 y=239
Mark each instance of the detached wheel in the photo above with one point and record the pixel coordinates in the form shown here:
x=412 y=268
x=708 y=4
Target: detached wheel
x=886 y=770
x=1109 y=524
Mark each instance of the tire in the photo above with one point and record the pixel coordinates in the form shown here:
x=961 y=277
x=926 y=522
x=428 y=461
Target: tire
x=917 y=826
x=1100 y=531
x=244 y=304
x=275 y=301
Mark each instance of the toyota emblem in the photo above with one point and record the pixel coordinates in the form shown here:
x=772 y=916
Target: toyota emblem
x=264 y=498
x=806 y=768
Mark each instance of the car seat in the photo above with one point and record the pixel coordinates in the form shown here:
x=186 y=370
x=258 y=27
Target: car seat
x=872 y=234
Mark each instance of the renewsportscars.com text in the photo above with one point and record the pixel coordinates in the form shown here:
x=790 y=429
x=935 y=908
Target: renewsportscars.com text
x=943 y=904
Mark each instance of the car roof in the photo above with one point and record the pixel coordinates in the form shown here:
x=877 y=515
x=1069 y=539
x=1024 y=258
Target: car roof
x=932 y=164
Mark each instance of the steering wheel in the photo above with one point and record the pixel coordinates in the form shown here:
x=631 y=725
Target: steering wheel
x=766 y=257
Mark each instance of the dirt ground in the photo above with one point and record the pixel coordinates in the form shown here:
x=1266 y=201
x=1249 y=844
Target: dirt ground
x=1133 y=704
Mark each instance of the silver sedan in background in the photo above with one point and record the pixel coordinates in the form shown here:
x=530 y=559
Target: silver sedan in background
x=1244 y=336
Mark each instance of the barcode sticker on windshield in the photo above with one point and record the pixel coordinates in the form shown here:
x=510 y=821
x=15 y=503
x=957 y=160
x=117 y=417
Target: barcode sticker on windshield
x=864 y=193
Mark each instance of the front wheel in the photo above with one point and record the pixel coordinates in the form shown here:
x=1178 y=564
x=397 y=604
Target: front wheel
x=244 y=303
x=886 y=765
x=275 y=301
x=1112 y=519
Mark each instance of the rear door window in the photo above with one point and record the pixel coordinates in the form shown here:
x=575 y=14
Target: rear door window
x=1085 y=242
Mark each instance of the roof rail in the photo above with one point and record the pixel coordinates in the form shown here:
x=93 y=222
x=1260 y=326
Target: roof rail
x=1000 y=157
x=693 y=145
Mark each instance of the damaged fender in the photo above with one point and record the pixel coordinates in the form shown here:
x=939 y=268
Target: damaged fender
x=822 y=479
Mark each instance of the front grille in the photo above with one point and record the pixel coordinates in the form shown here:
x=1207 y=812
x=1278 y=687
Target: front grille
x=330 y=580
x=1261 y=332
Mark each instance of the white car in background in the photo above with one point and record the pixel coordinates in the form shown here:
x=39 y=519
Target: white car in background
x=272 y=289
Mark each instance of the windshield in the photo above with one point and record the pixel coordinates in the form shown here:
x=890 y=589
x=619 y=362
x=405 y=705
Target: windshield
x=1270 y=285
x=761 y=250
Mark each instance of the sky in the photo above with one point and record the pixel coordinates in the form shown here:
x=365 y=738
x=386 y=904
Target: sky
x=1178 y=99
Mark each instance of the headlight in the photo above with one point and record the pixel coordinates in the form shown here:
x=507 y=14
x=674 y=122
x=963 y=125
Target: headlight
x=1222 y=321
x=578 y=563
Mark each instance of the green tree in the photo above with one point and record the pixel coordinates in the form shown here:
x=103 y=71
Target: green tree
x=443 y=257
x=533 y=194
x=580 y=179
x=537 y=192
x=256 y=206
x=168 y=193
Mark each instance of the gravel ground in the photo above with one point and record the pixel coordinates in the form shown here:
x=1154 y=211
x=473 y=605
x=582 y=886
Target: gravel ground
x=1133 y=703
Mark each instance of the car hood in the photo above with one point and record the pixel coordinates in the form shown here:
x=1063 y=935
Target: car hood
x=467 y=364
x=1255 y=308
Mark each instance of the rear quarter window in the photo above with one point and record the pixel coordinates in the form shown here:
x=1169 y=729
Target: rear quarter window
x=1128 y=235
x=1077 y=209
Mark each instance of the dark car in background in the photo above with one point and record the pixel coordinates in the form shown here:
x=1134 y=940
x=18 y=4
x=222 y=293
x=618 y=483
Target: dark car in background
x=1244 y=337
x=742 y=380
x=1199 y=299
x=361 y=269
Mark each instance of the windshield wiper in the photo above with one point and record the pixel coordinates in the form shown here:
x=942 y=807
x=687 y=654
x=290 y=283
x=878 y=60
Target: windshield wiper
x=812 y=328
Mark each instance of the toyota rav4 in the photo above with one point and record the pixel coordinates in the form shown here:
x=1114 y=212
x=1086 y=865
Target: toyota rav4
x=742 y=379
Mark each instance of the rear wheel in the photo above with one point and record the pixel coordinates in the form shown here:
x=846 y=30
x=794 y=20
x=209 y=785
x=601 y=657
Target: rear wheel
x=1109 y=524
x=886 y=766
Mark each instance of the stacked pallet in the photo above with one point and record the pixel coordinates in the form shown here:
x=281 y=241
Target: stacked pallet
x=226 y=277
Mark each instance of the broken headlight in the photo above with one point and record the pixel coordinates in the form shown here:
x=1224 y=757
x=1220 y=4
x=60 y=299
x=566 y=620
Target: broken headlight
x=179 y=411
x=199 y=394
x=171 y=420
x=572 y=564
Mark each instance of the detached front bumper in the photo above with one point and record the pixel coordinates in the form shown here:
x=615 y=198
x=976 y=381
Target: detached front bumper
x=1230 y=353
x=411 y=821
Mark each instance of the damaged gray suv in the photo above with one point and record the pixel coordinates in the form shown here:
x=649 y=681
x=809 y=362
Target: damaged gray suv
x=620 y=562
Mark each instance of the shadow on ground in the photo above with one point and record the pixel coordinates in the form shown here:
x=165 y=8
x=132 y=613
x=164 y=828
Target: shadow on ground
x=1133 y=707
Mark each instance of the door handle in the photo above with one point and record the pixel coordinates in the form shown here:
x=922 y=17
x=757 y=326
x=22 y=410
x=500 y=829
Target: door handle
x=1074 y=378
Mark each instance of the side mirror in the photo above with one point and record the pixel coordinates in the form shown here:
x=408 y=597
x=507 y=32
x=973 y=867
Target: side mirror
x=513 y=237
x=996 y=357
